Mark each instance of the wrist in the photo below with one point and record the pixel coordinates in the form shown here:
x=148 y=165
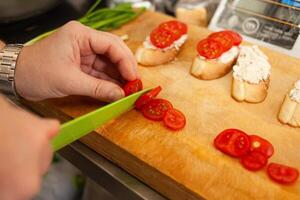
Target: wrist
x=4 y=105
x=20 y=72
x=8 y=59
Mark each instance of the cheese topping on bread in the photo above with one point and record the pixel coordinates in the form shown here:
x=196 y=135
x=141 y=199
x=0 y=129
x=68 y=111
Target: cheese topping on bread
x=295 y=92
x=252 y=65
x=176 y=44
x=227 y=56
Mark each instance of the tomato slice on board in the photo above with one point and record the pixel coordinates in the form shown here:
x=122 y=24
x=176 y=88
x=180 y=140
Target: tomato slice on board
x=174 y=119
x=210 y=49
x=156 y=109
x=233 y=142
x=145 y=98
x=176 y=27
x=237 y=38
x=254 y=161
x=258 y=144
x=162 y=38
x=224 y=38
x=132 y=87
x=282 y=174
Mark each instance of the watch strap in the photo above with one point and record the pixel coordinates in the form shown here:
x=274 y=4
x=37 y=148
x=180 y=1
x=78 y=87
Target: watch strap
x=8 y=60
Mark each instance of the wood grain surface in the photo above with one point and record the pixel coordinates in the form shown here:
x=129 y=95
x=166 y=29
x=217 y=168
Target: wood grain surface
x=185 y=164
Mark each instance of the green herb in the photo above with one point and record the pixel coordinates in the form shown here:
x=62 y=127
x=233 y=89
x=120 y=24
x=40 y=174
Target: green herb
x=104 y=19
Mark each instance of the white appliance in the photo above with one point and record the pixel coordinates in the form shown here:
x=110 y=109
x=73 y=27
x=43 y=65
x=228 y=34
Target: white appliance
x=271 y=23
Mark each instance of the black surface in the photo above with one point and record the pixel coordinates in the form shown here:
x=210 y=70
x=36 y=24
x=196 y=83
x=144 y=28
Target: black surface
x=23 y=31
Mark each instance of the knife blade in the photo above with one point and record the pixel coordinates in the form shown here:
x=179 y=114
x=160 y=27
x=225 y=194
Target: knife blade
x=79 y=127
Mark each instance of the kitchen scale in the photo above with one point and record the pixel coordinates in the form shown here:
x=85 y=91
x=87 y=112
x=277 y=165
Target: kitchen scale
x=271 y=23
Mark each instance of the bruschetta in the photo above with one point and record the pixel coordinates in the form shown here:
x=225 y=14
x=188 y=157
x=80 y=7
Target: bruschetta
x=251 y=75
x=163 y=44
x=216 y=55
x=290 y=109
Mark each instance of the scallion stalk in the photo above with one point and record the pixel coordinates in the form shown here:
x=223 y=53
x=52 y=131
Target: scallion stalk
x=104 y=19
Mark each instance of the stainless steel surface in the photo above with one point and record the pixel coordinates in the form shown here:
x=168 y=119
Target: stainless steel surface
x=12 y=10
x=8 y=60
x=112 y=178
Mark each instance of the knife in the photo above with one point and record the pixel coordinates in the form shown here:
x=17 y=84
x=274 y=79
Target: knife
x=79 y=127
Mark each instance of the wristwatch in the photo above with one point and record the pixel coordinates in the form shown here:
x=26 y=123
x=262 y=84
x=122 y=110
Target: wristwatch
x=8 y=60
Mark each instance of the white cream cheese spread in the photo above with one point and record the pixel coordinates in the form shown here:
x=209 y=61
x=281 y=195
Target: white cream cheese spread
x=295 y=92
x=227 y=56
x=252 y=65
x=176 y=44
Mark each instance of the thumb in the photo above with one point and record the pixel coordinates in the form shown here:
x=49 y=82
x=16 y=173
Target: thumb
x=97 y=88
x=52 y=127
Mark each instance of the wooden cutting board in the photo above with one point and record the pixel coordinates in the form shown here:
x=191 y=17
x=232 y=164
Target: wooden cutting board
x=185 y=164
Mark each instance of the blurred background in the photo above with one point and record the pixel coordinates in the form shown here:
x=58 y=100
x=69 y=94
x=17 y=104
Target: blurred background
x=271 y=23
x=33 y=17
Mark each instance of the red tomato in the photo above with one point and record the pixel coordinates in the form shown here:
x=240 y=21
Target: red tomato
x=145 y=98
x=162 y=38
x=174 y=119
x=156 y=109
x=258 y=144
x=177 y=28
x=237 y=38
x=254 y=161
x=224 y=38
x=132 y=87
x=233 y=142
x=282 y=174
x=210 y=49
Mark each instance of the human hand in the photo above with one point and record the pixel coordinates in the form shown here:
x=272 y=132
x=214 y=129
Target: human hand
x=25 y=151
x=75 y=60
x=2 y=44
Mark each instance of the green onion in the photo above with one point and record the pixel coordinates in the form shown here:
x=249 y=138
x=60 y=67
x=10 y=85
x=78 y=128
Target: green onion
x=104 y=19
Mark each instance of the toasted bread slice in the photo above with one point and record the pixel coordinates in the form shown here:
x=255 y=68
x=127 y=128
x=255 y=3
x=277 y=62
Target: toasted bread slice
x=210 y=69
x=252 y=93
x=150 y=57
x=289 y=112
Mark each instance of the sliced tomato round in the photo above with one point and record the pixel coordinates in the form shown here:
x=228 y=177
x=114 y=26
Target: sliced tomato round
x=254 y=161
x=258 y=144
x=282 y=174
x=162 y=38
x=145 y=98
x=210 y=49
x=233 y=142
x=156 y=109
x=132 y=87
x=176 y=27
x=224 y=38
x=174 y=119
x=237 y=38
